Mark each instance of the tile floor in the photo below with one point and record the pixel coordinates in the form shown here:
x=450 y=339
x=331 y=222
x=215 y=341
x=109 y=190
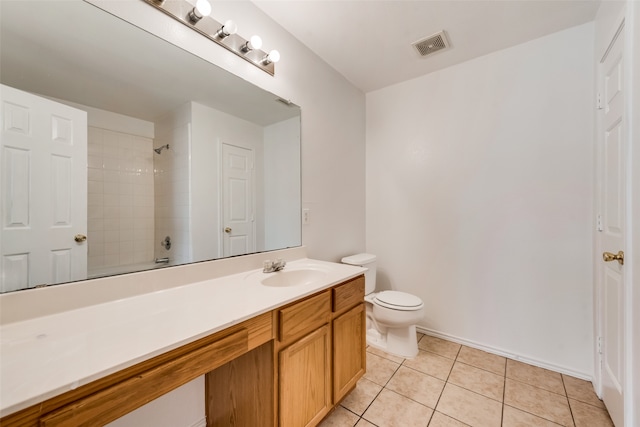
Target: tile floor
x=452 y=385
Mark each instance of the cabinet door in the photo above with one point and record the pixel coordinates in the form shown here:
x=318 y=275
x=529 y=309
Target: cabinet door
x=305 y=380
x=241 y=392
x=349 y=357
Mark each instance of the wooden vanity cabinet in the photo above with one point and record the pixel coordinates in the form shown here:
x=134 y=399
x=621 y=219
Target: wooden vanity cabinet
x=349 y=355
x=321 y=353
x=288 y=367
x=304 y=361
x=349 y=337
x=241 y=392
x=115 y=395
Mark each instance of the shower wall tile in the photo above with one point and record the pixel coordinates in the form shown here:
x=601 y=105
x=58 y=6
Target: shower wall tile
x=120 y=199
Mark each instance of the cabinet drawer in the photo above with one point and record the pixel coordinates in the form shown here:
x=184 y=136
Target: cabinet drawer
x=303 y=317
x=349 y=294
x=113 y=402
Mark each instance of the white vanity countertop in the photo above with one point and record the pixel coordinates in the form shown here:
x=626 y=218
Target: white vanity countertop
x=47 y=356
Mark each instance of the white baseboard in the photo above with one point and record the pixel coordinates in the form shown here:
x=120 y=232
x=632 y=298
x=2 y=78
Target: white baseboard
x=200 y=423
x=507 y=354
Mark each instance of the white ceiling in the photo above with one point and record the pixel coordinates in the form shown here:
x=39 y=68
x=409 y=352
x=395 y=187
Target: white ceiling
x=369 y=41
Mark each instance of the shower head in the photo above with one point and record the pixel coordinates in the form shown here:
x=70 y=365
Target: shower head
x=159 y=149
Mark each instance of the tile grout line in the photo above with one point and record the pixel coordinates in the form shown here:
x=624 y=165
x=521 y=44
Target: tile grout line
x=383 y=387
x=445 y=385
x=504 y=393
x=564 y=386
x=455 y=360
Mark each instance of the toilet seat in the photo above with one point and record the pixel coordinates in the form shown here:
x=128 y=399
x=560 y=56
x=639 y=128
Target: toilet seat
x=396 y=300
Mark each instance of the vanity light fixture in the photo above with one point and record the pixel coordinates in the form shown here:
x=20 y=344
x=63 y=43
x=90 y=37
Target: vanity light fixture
x=198 y=18
x=255 y=42
x=202 y=9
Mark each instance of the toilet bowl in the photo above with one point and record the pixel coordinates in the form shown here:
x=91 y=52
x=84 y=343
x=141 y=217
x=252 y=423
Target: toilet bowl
x=391 y=315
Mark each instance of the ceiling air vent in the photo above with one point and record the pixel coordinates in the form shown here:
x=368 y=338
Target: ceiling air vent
x=431 y=44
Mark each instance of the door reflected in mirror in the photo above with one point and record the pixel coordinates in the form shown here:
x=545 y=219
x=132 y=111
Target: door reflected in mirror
x=158 y=157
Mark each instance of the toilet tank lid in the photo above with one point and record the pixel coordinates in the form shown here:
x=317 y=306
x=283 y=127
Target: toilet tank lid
x=359 y=259
x=398 y=299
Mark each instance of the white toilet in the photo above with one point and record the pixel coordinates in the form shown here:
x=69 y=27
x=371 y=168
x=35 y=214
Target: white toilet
x=391 y=315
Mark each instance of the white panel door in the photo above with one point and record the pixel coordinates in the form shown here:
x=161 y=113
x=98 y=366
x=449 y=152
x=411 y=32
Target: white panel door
x=237 y=200
x=43 y=183
x=611 y=281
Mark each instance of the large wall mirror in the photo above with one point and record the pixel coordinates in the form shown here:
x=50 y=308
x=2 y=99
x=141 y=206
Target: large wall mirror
x=121 y=152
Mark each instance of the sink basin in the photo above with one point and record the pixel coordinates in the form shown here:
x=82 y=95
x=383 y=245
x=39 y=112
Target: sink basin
x=287 y=278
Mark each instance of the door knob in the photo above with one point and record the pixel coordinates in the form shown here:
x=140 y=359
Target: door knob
x=227 y=230
x=80 y=238
x=608 y=256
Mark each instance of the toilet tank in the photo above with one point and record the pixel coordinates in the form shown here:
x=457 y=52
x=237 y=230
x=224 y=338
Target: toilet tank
x=366 y=261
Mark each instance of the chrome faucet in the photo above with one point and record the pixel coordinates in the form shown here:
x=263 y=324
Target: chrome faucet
x=272 y=266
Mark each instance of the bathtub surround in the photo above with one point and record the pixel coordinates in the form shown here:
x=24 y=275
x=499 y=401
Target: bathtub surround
x=483 y=174
x=171 y=178
x=120 y=200
x=120 y=192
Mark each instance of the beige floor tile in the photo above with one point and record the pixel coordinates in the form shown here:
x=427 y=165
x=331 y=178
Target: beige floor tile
x=587 y=415
x=385 y=355
x=401 y=392
x=581 y=390
x=379 y=369
x=543 y=403
x=482 y=359
x=361 y=397
x=439 y=346
x=478 y=380
x=393 y=410
x=532 y=375
x=340 y=418
x=469 y=407
x=512 y=417
x=431 y=364
x=440 y=420
x=416 y=386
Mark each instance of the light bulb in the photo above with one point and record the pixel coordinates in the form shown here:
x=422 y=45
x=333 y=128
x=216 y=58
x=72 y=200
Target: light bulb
x=227 y=29
x=254 y=43
x=273 y=56
x=202 y=9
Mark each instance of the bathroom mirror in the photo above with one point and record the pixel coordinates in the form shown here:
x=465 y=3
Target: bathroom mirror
x=178 y=161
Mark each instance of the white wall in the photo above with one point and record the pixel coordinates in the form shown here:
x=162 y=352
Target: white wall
x=479 y=198
x=333 y=135
x=212 y=128
x=282 y=184
x=172 y=185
